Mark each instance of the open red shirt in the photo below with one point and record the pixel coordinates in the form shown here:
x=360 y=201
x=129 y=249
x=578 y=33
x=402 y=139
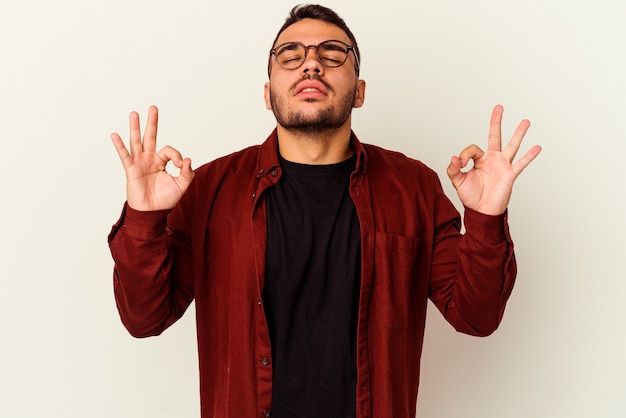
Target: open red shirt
x=211 y=248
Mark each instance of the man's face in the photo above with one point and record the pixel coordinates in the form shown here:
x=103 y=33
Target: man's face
x=313 y=98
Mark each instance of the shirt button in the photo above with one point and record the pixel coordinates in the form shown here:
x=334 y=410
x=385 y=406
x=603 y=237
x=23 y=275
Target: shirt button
x=266 y=414
x=261 y=172
x=274 y=173
x=265 y=361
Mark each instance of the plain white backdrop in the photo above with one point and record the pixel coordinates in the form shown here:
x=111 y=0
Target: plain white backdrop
x=72 y=70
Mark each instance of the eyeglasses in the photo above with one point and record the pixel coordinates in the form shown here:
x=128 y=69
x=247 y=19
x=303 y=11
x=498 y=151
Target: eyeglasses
x=332 y=54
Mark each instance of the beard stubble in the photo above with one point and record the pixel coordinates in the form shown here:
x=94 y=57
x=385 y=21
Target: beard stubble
x=324 y=120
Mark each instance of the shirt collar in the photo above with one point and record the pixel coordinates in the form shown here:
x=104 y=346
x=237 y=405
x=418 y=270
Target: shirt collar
x=268 y=154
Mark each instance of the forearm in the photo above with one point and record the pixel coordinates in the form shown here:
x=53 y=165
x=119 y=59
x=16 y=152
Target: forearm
x=148 y=297
x=486 y=271
x=481 y=277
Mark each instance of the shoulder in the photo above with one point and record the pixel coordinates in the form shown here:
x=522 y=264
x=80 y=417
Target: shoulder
x=243 y=160
x=393 y=162
x=226 y=176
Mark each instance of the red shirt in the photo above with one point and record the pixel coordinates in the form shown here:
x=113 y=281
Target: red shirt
x=211 y=248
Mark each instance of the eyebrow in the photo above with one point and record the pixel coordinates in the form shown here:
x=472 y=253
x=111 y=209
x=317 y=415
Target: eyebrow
x=288 y=46
x=333 y=45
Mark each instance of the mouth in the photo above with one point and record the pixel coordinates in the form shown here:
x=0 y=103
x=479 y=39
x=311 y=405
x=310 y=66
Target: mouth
x=311 y=88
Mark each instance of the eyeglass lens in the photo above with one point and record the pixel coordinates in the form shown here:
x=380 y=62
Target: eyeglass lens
x=330 y=53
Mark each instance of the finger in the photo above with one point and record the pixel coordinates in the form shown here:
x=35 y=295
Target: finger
x=122 y=151
x=471 y=152
x=495 y=129
x=135 y=133
x=168 y=153
x=513 y=146
x=523 y=162
x=149 y=136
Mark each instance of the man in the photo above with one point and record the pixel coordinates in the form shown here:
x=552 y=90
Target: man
x=311 y=257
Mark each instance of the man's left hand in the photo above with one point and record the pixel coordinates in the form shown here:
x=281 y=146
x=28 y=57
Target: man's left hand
x=487 y=186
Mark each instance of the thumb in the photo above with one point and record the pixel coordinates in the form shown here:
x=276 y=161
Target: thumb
x=454 y=171
x=186 y=174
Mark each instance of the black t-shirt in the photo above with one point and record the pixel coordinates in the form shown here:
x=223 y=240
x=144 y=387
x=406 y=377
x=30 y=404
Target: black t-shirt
x=312 y=290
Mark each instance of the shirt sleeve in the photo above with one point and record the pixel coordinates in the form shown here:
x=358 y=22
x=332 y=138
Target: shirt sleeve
x=473 y=273
x=152 y=280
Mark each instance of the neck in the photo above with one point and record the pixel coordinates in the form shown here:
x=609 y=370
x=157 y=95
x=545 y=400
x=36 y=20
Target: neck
x=315 y=148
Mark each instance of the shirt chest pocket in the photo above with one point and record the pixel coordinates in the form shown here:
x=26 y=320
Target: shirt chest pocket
x=395 y=285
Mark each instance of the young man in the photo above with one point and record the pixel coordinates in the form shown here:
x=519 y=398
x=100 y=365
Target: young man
x=311 y=257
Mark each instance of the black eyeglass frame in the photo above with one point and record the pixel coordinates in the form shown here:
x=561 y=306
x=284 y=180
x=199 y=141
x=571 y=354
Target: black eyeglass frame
x=349 y=48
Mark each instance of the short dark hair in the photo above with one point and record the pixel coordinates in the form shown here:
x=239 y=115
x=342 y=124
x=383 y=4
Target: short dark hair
x=317 y=12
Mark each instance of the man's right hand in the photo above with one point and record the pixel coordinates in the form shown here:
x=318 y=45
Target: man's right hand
x=148 y=186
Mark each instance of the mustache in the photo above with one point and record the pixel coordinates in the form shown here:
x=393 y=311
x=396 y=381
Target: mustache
x=312 y=77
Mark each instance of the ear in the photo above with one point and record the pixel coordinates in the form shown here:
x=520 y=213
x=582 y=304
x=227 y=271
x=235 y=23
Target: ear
x=266 y=95
x=359 y=97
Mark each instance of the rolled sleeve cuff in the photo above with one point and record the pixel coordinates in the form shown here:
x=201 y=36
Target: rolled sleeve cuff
x=490 y=229
x=141 y=225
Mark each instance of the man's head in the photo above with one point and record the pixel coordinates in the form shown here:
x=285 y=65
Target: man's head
x=324 y=14
x=313 y=71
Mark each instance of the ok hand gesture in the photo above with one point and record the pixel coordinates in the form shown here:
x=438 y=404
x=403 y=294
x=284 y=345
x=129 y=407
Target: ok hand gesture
x=487 y=187
x=148 y=186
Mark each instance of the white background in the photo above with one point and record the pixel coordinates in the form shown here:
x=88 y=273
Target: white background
x=71 y=70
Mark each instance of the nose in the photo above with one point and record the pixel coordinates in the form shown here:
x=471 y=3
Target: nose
x=311 y=62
